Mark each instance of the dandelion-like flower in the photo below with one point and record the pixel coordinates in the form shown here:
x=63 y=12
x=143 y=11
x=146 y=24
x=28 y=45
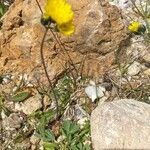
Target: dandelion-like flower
x=137 y=27
x=134 y=26
x=60 y=12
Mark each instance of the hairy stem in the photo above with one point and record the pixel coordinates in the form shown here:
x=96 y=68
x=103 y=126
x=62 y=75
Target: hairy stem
x=46 y=72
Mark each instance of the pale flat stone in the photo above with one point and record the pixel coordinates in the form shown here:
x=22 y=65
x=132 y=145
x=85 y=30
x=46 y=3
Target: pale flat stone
x=147 y=72
x=94 y=92
x=12 y=122
x=134 y=69
x=31 y=105
x=146 y=57
x=122 y=124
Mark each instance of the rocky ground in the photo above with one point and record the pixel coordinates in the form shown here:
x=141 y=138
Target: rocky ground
x=101 y=80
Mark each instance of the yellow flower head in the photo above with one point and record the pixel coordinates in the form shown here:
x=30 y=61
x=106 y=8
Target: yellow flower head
x=134 y=26
x=60 y=12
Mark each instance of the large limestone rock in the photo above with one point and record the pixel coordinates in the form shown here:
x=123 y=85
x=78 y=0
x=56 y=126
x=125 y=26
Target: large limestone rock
x=99 y=32
x=122 y=124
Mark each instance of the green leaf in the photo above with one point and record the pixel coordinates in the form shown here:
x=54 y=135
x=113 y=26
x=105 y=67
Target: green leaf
x=49 y=135
x=87 y=147
x=74 y=128
x=19 y=97
x=2 y=9
x=80 y=146
x=49 y=146
x=69 y=129
x=74 y=147
x=42 y=132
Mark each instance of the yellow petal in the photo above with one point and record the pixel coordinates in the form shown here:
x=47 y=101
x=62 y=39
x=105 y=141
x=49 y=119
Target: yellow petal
x=66 y=28
x=59 y=11
x=134 y=26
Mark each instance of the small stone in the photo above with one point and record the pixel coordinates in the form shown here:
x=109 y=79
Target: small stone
x=34 y=139
x=114 y=91
x=92 y=82
x=134 y=69
x=31 y=104
x=18 y=106
x=15 y=89
x=10 y=106
x=12 y=122
x=46 y=101
x=147 y=57
x=3 y=115
x=108 y=86
x=124 y=4
x=121 y=124
x=23 y=145
x=147 y=72
x=95 y=92
x=102 y=100
x=6 y=79
x=79 y=112
x=33 y=147
x=82 y=122
x=61 y=138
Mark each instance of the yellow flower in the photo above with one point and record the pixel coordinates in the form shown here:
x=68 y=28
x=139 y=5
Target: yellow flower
x=60 y=12
x=134 y=26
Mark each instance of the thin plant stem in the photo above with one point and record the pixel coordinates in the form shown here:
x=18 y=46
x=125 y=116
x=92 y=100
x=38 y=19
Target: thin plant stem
x=71 y=62
x=139 y=12
x=142 y=9
x=43 y=61
x=46 y=72
x=145 y=15
x=81 y=67
x=39 y=6
x=63 y=48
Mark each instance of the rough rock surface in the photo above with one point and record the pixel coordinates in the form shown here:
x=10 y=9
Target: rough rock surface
x=99 y=32
x=99 y=27
x=122 y=124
